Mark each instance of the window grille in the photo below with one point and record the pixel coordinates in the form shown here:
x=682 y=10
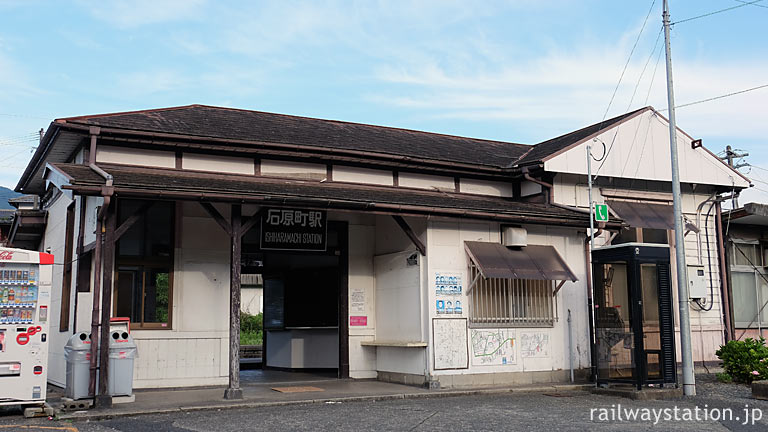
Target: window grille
x=496 y=302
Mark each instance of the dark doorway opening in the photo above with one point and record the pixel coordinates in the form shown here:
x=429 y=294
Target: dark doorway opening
x=634 y=327
x=304 y=317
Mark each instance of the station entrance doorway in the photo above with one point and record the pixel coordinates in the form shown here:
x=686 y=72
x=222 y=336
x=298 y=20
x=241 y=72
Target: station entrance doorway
x=304 y=306
x=634 y=322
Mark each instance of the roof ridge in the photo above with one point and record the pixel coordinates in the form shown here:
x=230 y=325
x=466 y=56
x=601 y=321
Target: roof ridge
x=343 y=122
x=141 y=111
x=600 y=124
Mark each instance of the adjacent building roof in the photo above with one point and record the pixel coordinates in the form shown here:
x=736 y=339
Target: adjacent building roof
x=750 y=214
x=179 y=184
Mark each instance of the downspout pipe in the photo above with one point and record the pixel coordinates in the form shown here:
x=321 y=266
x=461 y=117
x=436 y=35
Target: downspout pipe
x=106 y=192
x=590 y=303
x=724 y=282
x=543 y=184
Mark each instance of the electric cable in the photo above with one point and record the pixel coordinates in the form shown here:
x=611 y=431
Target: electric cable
x=621 y=77
x=717 y=12
x=719 y=97
x=751 y=4
x=709 y=263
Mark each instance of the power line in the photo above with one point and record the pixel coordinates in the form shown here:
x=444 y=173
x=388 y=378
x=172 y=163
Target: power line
x=719 y=97
x=746 y=3
x=621 y=77
x=717 y=12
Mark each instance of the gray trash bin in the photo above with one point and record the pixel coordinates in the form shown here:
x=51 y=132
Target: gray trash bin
x=77 y=352
x=122 y=352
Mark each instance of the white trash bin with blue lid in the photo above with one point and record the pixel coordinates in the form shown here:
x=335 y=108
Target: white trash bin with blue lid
x=122 y=352
x=77 y=352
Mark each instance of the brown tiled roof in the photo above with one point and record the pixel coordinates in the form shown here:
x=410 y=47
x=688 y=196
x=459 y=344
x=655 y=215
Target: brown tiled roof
x=236 y=124
x=547 y=148
x=181 y=184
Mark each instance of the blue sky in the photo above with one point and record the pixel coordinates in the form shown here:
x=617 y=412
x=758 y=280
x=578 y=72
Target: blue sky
x=520 y=71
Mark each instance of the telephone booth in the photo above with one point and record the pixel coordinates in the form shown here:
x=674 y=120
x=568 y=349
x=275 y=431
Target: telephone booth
x=634 y=324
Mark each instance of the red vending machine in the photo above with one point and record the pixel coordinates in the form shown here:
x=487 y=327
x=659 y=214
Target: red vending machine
x=25 y=294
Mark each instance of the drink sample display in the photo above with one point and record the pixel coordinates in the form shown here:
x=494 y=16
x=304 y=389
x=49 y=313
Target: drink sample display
x=18 y=296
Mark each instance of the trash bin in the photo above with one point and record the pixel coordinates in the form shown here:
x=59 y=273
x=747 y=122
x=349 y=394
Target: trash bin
x=77 y=352
x=122 y=352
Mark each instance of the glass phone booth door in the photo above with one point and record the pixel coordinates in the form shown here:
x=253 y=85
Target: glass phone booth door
x=634 y=328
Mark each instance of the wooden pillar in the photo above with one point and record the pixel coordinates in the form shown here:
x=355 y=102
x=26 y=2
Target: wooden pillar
x=234 y=391
x=103 y=400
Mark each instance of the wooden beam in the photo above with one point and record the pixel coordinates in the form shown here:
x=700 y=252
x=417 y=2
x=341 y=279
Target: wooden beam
x=248 y=224
x=411 y=235
x=132 y=219
x=103 y=400
x=208 y=207
x=234 y=391
x=557 y=288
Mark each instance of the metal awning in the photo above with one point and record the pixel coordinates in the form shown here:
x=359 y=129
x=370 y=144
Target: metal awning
x=538 y=262
x=644 y=214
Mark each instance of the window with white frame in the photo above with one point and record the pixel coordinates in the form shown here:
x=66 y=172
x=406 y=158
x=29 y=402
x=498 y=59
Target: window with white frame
x=497 y=302
x=749 y=284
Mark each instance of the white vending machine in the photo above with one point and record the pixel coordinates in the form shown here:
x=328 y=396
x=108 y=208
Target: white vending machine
x=25 y=293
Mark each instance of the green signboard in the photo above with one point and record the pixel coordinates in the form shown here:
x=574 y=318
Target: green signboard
x=601 y=212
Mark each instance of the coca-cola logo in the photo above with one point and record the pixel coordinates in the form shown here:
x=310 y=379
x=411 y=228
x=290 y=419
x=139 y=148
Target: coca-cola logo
x=6 y=255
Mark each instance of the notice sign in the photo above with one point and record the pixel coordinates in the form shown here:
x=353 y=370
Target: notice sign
x=291 y=229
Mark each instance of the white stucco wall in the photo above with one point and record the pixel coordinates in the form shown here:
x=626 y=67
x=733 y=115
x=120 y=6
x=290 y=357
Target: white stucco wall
x=217 y=163
x=134 y=156
x=485 y=187
x=447 y=255
x=426 y=181
x=362 y=175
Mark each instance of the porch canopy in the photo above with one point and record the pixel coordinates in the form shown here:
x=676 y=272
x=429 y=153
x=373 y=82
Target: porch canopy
x=177 y=184
x=639 y=214
x=539 y=262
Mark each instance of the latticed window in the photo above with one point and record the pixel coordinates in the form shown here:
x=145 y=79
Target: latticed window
x=497 y=302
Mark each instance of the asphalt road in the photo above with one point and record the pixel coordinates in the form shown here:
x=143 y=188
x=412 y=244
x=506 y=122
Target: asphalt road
x=535 y=412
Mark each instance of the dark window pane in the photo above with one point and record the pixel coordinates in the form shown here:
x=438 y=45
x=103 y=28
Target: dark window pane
x=132 y=242
x=651 y=235
x=625 y=236
x=159 y=232
x=128 y=294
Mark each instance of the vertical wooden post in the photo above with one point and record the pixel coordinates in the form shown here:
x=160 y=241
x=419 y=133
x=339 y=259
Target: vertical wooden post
x=234 y=391
x=103 y=400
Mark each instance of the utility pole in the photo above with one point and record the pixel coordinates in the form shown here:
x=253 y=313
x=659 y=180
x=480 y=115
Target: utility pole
x=689 y=380
x=730 y=155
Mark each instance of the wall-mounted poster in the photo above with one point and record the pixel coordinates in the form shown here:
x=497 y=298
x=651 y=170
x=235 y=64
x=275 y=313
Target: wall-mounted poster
x=448 y=306
x=534 y=344
x=493 y=347
x=448 y=283
x=450 y=341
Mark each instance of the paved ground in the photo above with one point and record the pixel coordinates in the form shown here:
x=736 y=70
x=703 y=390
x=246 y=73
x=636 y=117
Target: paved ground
x=538 y=412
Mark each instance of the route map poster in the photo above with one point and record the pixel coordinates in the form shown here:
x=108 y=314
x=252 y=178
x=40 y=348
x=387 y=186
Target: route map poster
x=534 y=345
x=493 y=347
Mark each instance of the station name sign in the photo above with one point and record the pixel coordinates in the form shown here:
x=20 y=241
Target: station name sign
x=292 y=229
